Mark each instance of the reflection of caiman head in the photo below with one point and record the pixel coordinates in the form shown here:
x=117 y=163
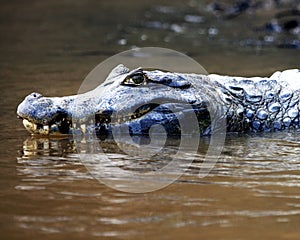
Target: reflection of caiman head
x=136 y=99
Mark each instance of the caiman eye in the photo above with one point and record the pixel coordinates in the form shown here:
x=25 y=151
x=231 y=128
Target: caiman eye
x=135 y=80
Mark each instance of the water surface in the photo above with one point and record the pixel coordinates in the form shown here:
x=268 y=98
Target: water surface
x=253 y=192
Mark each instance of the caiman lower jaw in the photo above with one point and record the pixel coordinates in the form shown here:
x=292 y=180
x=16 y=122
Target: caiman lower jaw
x=39 y=129
x=35 y=128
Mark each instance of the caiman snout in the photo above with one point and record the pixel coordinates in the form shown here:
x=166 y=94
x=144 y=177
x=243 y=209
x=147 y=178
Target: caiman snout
x=42 y=115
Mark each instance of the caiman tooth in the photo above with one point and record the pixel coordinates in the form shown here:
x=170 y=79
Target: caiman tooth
x=83 y=128
x=28 y=125
x=46 y=129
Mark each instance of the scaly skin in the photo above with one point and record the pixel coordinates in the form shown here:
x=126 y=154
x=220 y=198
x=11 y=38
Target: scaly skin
x=141 y=98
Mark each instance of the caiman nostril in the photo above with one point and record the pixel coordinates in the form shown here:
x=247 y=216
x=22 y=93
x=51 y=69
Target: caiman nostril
x=34 y=95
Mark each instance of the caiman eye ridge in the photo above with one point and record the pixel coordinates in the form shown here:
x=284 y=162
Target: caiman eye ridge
x=136 y=79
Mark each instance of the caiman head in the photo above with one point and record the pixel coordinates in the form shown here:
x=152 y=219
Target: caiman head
x=127 y=100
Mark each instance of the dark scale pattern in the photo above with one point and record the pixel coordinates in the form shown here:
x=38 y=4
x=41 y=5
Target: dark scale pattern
x=260 y=105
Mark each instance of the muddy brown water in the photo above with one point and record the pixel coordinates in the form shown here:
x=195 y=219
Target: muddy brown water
x=253 y=192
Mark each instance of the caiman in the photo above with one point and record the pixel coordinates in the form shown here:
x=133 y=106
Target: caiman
x=141 y=98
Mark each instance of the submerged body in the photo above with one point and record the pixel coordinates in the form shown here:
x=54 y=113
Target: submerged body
x=139 y=99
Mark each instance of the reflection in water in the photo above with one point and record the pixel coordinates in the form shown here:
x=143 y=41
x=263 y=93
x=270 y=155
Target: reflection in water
x=252 y=171
x=45 y=161
x=269 y=156
x=47 y=147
